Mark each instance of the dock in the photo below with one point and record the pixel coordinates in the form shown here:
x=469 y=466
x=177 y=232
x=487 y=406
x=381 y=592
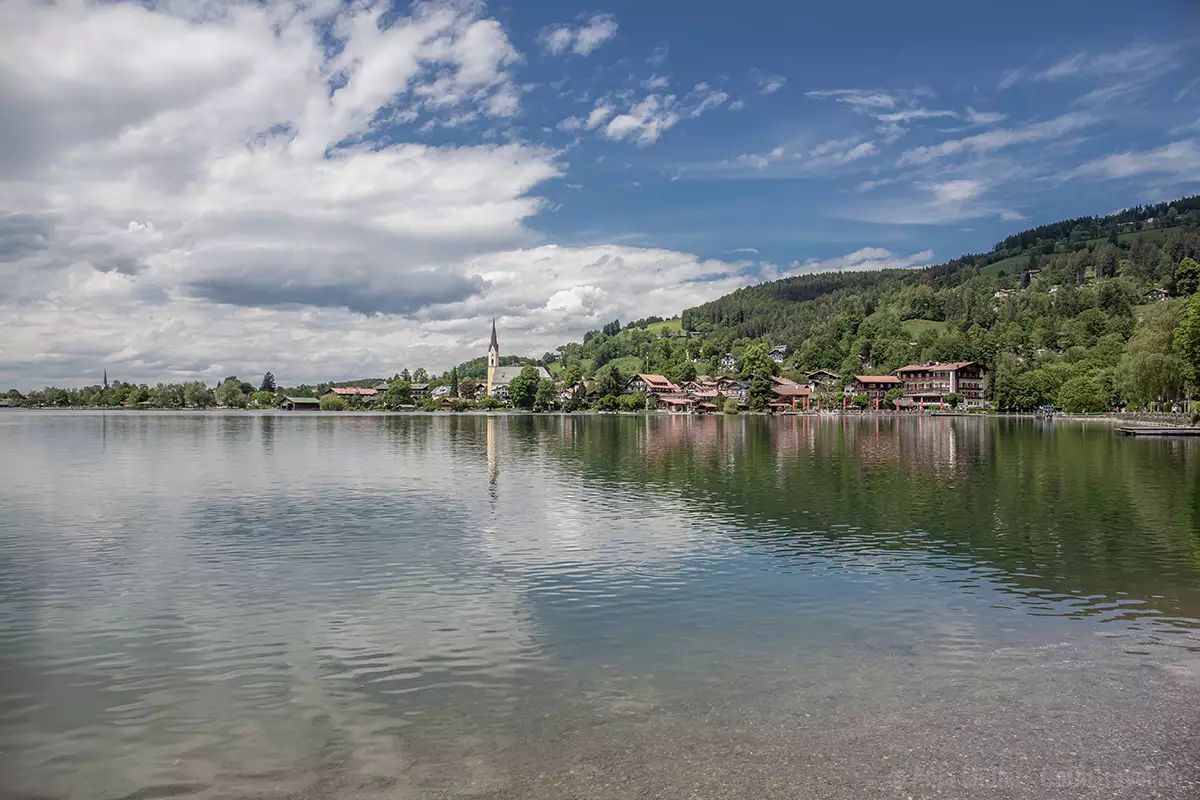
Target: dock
x=1138 y=431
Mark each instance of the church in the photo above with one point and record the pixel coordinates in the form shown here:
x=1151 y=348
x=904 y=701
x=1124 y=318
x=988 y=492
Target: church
x=498 y=377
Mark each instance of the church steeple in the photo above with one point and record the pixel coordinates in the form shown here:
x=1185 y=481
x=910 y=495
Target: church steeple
x=106 y=379
x=493 y=359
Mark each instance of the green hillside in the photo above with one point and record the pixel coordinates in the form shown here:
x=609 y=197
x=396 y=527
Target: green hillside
x=1073 y=328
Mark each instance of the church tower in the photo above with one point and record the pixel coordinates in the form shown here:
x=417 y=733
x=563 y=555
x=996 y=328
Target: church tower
x=493 y=359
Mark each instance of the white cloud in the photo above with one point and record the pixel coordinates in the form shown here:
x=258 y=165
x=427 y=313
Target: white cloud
x=645 y=121
x=955 y=191
x=1104 y=94
x=737 y=105
x=709 y=100
x=872 y=185
x=910 y=114
x=656 y=83
x=995 y=140
x=570 y=124
x=860 y=99
x=599 y=115
x=864 y=260
x=1189 y=127
x=983 y=117
x=842 y=151
x=580 y=39
x=203 y=190
x=764 y=160
x=1180 y=158
x=769 y=84
x=1139 y=59
x=750 y=250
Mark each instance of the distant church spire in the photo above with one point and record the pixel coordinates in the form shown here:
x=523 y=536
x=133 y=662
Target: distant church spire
x=493 y=360
x=106 y=378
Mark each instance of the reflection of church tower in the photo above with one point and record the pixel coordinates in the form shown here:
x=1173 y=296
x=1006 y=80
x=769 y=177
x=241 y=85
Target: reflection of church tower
x=493 y=359
x=493 y=457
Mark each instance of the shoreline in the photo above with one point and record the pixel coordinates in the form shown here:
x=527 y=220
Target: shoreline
x=1148 y=420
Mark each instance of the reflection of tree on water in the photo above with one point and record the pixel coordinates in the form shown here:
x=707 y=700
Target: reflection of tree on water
x=1079 y=523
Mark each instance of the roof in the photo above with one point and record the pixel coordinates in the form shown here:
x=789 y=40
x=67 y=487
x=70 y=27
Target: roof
x=655 y=381
x=953 y=366
x=823 y=372
x=889 y=379
x=504 y=375
x=782 y=347
x=778 y=381
x=494 y=345
x=350 y=391
x=303 y=400
x=676 y=401
x=792 y=391
x=418 y=386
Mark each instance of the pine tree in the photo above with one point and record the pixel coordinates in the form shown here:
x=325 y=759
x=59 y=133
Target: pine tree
x=454 y=381
x=268 y=383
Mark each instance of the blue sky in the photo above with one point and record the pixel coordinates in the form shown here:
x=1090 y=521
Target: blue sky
x=201 y=188
x=1123 y=87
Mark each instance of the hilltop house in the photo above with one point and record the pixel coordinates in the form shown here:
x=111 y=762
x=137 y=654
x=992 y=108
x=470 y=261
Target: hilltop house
x=926 y=384
x=1156 y=295
x=779 y=353
x=729 y=363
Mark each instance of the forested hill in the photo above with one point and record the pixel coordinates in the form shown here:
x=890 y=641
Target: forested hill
x=1063 y=313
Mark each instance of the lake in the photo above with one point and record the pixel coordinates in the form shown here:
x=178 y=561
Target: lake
x=394 y=606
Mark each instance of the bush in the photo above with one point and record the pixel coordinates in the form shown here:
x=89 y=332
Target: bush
x=608 y=403
x=731 y=406
x=632 y=402
x=331 y=402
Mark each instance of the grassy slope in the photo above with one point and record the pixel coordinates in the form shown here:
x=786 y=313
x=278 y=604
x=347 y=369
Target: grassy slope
x=673 y=326
x=1012 y=266
x=918 y=326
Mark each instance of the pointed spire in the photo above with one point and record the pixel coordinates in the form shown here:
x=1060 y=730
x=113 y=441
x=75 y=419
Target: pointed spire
x=106 y=378
x=494 y=345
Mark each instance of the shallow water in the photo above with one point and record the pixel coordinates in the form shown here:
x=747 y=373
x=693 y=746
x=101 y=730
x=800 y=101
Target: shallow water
x=231 y=605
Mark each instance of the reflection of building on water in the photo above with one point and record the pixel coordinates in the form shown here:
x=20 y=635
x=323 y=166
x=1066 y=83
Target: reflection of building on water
x=493 y=457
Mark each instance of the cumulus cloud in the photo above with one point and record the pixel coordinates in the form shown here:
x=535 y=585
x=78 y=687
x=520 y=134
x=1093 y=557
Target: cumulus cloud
x=645 y=120
x=579 y=39
x=208 y=189
x=864 y=260
x=995 y=140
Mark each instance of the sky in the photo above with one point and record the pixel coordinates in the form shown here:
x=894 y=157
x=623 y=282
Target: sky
x=328 y=190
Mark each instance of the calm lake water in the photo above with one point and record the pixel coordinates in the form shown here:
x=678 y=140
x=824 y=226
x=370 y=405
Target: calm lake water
x=233 y=605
